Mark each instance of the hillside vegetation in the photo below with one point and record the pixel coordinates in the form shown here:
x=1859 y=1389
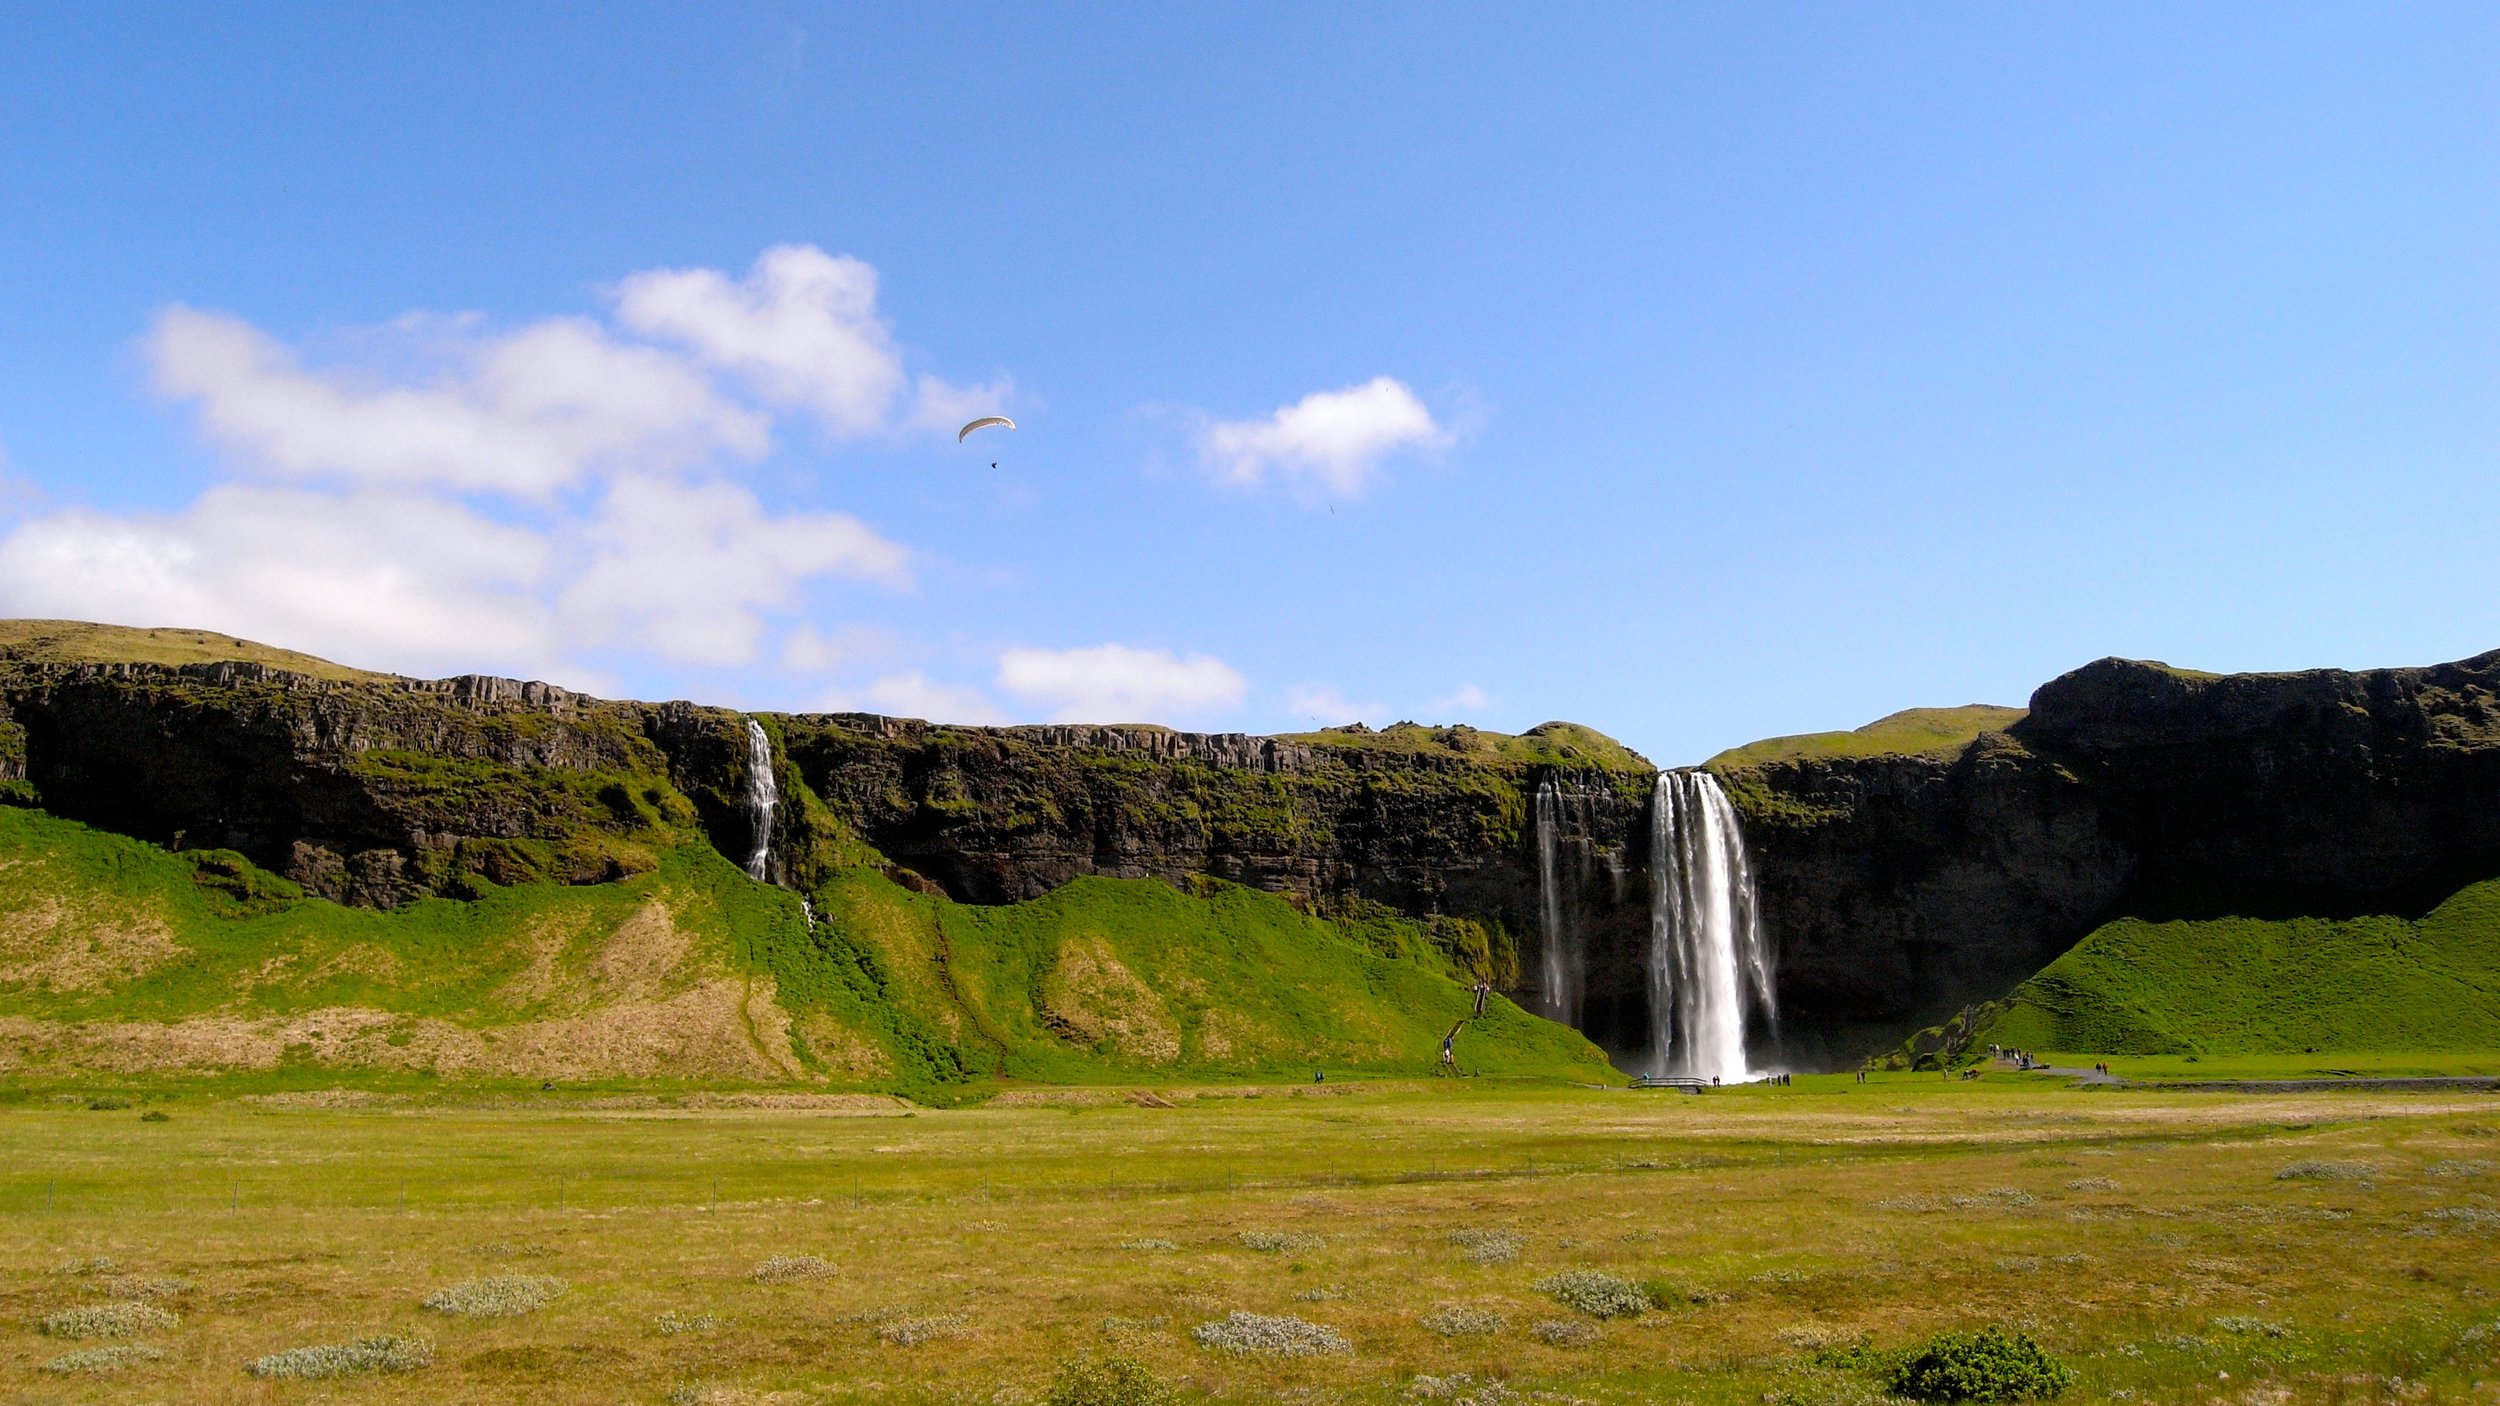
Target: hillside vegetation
x=78 y=642
x=118 y=957
x=1906 y=733
x=2246 y=986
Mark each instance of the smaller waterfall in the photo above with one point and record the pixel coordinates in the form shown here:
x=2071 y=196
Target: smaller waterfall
x=1560 y=970
x=807 y=910
x=1707 y=962
x=763 y=798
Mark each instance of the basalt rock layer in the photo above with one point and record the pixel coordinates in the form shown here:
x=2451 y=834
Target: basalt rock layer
x=375 y=790
x=1898 y=888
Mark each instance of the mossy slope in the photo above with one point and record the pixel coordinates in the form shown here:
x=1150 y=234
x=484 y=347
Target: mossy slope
x=2234 y=986
x=1910 y=732
x=120 y=957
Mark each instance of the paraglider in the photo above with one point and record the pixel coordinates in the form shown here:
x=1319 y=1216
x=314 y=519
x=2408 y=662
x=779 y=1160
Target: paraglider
x=984 y=423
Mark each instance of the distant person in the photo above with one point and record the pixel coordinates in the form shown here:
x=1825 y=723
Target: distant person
x=1318 y=1078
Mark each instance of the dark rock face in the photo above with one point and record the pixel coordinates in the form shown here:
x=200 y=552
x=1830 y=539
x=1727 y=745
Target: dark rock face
x=1900 y=888
x=995 y=815
x=367 y=792
x=378 y=791
x=1894 y=888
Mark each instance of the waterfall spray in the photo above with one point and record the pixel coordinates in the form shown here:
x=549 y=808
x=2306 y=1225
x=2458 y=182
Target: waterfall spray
x=1560 y=968
x=763 y=797
x=1707 y=963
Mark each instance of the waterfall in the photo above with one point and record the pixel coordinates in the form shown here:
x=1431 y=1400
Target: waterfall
x=763 y=796
x=1561 y=967
x=1707 y=965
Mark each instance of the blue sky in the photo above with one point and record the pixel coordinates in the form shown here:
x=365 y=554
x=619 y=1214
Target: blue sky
x=1698 y=373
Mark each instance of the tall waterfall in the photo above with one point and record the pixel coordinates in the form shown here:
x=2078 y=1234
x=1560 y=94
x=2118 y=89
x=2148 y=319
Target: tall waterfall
x=1561 y=968
x=763 y=797
x=1707 y=966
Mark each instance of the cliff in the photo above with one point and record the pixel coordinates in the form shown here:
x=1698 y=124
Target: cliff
x=377 y=791
x=1900 y=887
x=1931 y=860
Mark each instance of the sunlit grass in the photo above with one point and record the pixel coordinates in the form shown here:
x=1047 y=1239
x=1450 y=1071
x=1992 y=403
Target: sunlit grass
x=2149 y=1241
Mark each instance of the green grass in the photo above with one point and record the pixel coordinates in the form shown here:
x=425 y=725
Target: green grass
x=78 y=642
x=2243 y=987
x=2145 y=1239
x=121 y=959
x=1566 y=745
x=1910 y=732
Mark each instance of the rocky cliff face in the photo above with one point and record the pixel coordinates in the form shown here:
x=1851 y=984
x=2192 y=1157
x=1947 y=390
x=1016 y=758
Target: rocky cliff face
x=1895 y=887
x=1432 y=823
x=1899 y=888
x=377 y=790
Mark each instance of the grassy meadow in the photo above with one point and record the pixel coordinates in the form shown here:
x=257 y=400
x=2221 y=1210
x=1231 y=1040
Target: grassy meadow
x=793 y=1247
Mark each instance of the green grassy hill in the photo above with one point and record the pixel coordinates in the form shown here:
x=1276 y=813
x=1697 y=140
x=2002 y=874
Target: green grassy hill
x=2245 y=986
x=78 y=642
x=118 y=958
x=1906 y=733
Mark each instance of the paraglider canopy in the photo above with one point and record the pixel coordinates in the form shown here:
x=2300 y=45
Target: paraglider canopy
x=984 y=423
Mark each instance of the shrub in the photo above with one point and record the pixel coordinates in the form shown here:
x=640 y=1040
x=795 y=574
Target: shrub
x=1595 y=1293
x=1107 y=1381
x=1270 y=1242
x=1564 y=1332
x=110 y=1320
x=912 y=1332
x=2328 y=1171
x=499 y=1296
x=1259 y=1335
x=791 y=1269
x=1148 y=1246
x=2252 y=1327
x=1487 y=1246
x=1461 y=1321
x=2091 y=1184
x=672 y=1323
x=156 y=1115
x=1988 y=1365
x=359 y=1358
x=98 y=1360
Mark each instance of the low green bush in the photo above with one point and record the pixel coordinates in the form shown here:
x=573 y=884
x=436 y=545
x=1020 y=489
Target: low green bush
x=1988 y=1365
x=1107 y=1381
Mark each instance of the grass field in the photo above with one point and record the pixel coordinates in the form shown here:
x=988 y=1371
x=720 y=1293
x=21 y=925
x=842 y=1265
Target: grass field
x=2169 y=1247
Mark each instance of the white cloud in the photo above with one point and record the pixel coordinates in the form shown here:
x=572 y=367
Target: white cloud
x=683 y=569
x=803 y=328
x=449 y=498
x=809 y=650
x=915 y=695
x=1112 y=683
x=527 y=413
x=1465 y=699
x=1324 y=704
x=383 y=579
x=1327 y=444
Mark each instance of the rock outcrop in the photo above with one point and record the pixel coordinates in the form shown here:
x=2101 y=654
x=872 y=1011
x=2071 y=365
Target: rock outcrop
x=1900 y=888
x=1896 y=888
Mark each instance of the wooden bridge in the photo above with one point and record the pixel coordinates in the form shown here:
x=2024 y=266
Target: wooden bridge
x=1680 y=1084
